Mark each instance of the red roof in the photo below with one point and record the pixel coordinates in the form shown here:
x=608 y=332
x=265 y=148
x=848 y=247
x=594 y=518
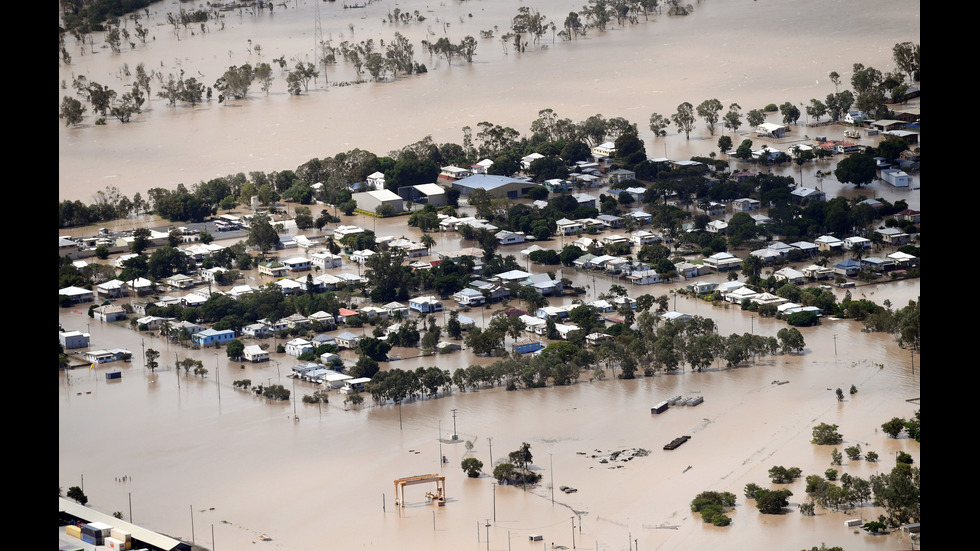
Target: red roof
x=346 y=312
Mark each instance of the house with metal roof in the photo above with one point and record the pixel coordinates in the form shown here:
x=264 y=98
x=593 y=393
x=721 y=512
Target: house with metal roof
x=496 y=186
x=371 y=201
x=789 y=275
x=847 y=268
x=805 y=195
x=723 y=261
x=212 y=337
x=893 y=236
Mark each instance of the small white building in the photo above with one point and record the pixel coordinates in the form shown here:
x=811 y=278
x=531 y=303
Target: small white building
x=73 y=339
x=896 y=177
x=254 y=353
x=298 y=347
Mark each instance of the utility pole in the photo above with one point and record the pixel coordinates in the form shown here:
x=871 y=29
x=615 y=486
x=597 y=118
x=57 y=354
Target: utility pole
x=488 y=534
x=217 y=375
x=573 y=532
x=490 y=440
x=552 y=461
x=455 y=435
x=494 y=485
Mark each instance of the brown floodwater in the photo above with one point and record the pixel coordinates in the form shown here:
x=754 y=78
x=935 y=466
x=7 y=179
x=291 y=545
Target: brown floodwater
x=738 y=51
x=201 y=454
x=203 y=458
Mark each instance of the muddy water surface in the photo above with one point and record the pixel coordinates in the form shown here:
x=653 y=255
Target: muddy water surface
x=738 y=51
x=202 y=457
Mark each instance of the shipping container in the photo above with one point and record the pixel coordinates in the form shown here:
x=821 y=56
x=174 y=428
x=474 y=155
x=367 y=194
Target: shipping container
x=120 y=534
x=102 y=527
x=113 y=543
x=659 y=408
x=73 y=531
x=113 y=375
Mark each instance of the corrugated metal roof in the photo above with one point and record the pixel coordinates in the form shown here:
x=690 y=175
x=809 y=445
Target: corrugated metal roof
x=148 y=537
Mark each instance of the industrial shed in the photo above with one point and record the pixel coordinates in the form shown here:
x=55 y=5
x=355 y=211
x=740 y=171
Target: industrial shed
x=70 y=513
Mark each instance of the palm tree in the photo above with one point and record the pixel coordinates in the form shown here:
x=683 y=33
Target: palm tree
x=857 y=251
x=428 y=241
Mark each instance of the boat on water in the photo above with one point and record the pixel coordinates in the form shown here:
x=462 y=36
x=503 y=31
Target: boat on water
x=676 y=442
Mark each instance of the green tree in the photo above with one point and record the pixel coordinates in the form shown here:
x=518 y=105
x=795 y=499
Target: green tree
x=725 y=144
x=858 y=169
x=772 y=502
x=263 y=74
x=755 y=117
x=711 y=506
x=71 y=111
x=234 y=84
x=709 y=110
x=906 y=57
x=816 y=109
x=261 y=234
x=824 y=434
x=77 y=494
x=894 y=427
x=781 y=475
x=836 y=457
x=141 y=240
x=790 y=340
x=744 y=150
x=733 y=118
x=899 y=493
x=472 y=467
x=790 y=112
x=659 y=124
x=684 y=119
x=151 y=359
x=235 y=349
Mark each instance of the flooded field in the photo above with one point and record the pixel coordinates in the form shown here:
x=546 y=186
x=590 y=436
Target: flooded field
x=738 y=51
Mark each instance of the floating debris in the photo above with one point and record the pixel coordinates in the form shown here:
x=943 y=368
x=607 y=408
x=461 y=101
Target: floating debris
x=620 y=455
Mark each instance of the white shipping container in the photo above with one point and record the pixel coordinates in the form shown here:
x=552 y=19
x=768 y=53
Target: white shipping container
x=853 y=522
x=113 y=543
x=120 y=534
x=101 y=527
